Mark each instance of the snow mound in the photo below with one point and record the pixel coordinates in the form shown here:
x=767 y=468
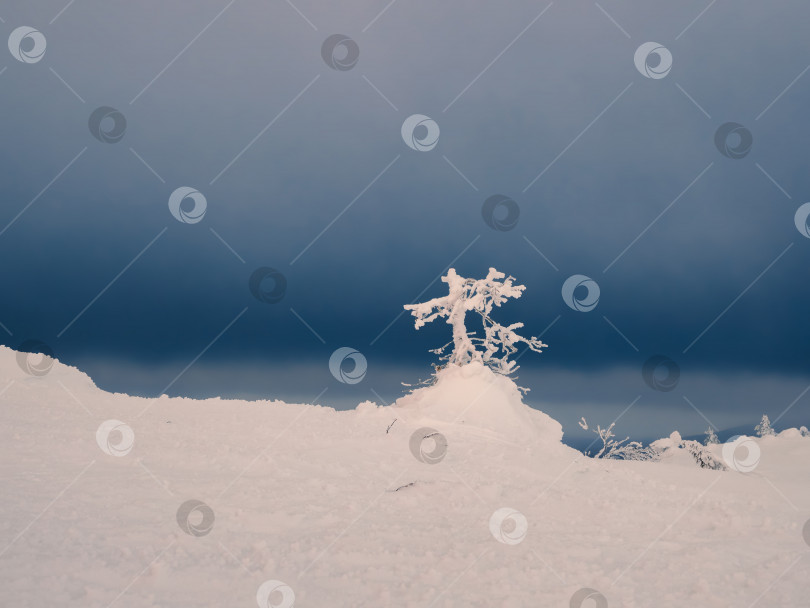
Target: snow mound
x=30 y=369
x=475 y=397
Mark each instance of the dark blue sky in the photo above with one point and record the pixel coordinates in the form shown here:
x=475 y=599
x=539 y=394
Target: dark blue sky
x=617 y=176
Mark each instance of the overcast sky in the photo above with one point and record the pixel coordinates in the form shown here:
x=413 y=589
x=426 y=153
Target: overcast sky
x=617 y=176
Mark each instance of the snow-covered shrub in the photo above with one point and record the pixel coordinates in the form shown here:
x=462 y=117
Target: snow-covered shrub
x=673 y=445
x=711 y=437
x=702 y=456
x=803 y=430
x=619 y=449
x=764 y=428
x=480 y=296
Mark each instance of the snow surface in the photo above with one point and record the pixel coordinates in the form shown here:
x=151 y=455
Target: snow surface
x=341 y=509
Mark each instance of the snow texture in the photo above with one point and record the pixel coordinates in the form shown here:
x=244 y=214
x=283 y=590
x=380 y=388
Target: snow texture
x=456 y=495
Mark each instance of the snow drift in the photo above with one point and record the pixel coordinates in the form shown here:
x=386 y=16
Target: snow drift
x=483 y=402
x=113 y=501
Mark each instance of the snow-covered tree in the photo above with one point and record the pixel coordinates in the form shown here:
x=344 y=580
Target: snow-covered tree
x=764 y=428
x=702 y=456
x=803 y=430
x=618 y=449
x=711 y=437
x=479 y=296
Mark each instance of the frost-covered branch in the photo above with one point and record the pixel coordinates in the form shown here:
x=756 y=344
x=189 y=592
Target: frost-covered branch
x=703 y=457
x=619 y=449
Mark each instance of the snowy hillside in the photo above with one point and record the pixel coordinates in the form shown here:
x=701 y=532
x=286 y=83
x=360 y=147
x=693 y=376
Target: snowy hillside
x=457 y=495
